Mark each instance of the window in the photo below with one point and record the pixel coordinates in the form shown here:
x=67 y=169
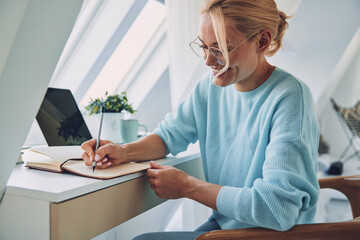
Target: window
x=128 y=51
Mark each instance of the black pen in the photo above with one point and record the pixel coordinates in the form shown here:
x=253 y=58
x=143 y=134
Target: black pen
x=98 y=136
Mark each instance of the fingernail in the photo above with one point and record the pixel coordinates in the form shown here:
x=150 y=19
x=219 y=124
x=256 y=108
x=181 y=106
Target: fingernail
x=109 y=163
x=99 y=164
x=104 y=160
x=97 y=157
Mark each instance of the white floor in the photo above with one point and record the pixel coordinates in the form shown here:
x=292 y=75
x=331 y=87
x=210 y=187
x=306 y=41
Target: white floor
x=333 y=206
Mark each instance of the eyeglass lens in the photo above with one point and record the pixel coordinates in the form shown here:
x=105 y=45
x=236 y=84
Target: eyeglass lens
x=202 y=52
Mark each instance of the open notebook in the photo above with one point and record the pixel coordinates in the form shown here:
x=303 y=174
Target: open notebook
x=68 y=159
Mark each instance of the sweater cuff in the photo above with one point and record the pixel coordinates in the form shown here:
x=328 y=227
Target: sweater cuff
x=227 y=198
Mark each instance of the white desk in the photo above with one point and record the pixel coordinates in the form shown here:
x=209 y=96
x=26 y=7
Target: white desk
x=44 y=205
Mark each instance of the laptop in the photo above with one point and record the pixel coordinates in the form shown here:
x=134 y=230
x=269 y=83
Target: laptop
x=60 y=119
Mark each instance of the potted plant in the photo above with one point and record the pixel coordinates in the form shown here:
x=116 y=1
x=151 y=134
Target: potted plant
x=113 y=103
x=116 y=106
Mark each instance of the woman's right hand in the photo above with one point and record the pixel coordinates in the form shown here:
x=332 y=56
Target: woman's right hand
x=108 y=154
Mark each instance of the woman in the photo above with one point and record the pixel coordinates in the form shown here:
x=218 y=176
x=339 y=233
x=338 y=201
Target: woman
x=255 y=124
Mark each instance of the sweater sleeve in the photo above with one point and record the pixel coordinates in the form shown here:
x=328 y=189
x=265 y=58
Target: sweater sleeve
x=289 y=185
x=178 y=131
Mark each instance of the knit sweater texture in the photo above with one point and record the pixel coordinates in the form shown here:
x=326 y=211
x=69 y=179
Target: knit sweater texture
x=261 y=146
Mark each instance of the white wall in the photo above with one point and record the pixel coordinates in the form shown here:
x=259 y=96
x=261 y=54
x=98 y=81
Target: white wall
x=33 y=35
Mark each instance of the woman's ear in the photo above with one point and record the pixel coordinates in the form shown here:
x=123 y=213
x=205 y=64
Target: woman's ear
x=264 y=41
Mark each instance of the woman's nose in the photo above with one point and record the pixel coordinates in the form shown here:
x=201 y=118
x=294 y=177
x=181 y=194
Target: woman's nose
x=210 y=60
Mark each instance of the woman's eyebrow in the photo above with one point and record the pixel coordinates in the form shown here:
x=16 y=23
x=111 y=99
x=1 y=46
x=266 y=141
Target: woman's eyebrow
x=214 y=43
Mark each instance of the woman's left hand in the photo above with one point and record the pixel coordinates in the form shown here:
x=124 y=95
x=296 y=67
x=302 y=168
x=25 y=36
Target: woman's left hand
x=168 y=182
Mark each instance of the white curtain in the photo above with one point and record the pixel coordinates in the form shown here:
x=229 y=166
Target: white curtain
x=185 y=66
x=185 y=70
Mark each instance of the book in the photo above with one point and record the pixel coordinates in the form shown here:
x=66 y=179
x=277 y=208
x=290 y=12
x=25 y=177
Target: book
x=62 y=159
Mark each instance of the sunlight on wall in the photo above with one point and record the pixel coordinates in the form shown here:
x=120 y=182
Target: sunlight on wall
x=128 y=51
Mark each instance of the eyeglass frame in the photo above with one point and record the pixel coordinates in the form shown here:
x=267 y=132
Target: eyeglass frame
x=206 y=50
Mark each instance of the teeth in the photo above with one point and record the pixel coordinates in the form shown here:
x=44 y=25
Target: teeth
x=216 y=70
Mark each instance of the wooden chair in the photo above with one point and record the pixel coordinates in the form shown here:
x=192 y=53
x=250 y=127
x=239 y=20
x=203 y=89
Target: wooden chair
x=348 y=185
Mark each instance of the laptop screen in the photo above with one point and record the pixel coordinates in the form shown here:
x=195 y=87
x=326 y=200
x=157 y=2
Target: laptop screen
x=60 y=119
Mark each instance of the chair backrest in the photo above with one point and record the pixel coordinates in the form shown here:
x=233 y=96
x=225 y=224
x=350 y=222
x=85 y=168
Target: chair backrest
x=349 y=230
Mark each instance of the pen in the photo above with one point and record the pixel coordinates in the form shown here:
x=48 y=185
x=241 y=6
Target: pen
x=98 y=136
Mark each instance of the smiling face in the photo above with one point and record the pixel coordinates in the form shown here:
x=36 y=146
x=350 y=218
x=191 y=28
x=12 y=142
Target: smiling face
x=247 y=64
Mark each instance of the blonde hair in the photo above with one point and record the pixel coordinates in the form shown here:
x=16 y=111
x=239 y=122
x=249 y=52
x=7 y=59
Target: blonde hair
x=249 y=17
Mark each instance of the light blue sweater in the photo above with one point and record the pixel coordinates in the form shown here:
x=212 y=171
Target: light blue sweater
x=260 y=145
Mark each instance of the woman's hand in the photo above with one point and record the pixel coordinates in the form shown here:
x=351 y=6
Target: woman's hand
x=171 y=183
x=108 y=154
x=168 y=182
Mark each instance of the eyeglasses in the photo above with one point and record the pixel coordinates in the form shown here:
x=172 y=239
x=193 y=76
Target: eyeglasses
x=202 y=51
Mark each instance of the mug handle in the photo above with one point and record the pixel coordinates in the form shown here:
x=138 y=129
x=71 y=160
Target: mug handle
x=142 y=125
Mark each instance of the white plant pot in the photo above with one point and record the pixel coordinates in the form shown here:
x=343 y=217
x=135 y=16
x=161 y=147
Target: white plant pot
x=110 y=128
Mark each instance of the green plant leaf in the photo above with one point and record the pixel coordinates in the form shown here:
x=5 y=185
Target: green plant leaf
x=111 y=103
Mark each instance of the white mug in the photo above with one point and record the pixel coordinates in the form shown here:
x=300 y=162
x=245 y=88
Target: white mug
x=110 y=127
